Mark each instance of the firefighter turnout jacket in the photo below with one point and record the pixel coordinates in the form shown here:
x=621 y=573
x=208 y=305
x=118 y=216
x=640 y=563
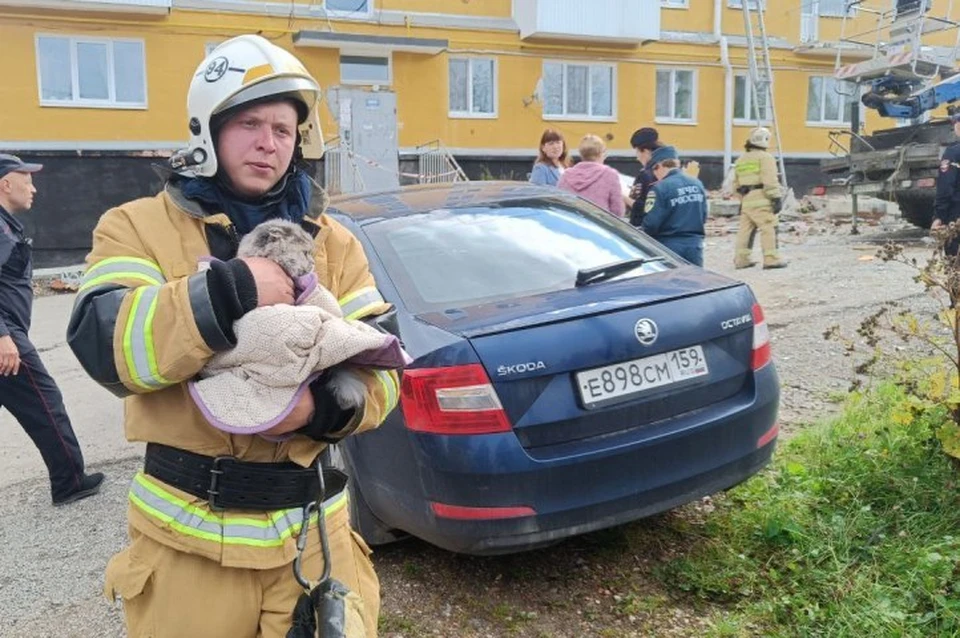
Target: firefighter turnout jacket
x=756 y=170
x=143 y=325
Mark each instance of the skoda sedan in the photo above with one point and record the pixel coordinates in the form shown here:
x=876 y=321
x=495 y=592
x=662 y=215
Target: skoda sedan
x=570 y=373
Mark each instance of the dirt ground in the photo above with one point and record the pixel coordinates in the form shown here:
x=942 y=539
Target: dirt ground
x=604 y=584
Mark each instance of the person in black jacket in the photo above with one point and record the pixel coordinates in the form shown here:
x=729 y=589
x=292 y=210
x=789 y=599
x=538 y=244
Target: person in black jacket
x=644 y=141
x=946 y=206
x=26 y=388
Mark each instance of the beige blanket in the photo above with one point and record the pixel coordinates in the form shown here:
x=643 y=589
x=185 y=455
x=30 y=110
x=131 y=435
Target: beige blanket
x=280 y=350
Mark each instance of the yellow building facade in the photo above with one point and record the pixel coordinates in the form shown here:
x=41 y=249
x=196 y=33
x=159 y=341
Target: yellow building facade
x=97 y=88
x=461 y=70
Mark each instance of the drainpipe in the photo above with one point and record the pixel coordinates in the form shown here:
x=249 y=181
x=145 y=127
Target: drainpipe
x=727 y=105
x=717 y=20
x=719 y=38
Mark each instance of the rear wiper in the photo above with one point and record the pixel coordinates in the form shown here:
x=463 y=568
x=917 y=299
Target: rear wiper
x=609 y=271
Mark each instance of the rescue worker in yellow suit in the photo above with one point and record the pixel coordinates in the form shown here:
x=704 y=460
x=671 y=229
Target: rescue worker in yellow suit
x=214 y=516
x=755 y=179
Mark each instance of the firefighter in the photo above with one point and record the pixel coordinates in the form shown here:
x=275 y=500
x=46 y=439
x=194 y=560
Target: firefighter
x=214 y=517
x=676 y=207
x=755 y=179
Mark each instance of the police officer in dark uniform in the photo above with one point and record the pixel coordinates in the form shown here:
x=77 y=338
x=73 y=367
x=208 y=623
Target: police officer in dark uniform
x=946 y=206
x=644 y=141
x=676 y=207
x=26 y=389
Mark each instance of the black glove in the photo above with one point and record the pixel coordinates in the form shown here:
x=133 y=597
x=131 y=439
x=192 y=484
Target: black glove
x=777 y=205
x=328 y=417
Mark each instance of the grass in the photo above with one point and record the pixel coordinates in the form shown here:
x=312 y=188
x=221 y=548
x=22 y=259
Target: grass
x=854 y=531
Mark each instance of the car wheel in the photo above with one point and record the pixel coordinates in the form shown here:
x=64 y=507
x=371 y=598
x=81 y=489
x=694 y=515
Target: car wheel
x=362 y=520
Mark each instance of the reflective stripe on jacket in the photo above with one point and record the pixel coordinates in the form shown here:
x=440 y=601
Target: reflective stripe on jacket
x=757 y=168
x=143 y=324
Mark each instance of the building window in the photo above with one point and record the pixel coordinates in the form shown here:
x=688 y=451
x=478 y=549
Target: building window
x=834 y=8
x=744 y=110
x=364 y=69
x=91 y=72
x=829 y=100
x=579 y=91
x=473 y=87
x=738 y=4
x=349 y=8
x=675 y=4
x=676 y=95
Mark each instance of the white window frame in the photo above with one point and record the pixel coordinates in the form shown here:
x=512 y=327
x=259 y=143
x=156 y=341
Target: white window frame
x=470 y=114
x=692 y=121
x=738 y=4
x=852 y=14
x=576 y=117
x=85 y=103
x=822 y=123
x=366 y=54
x=765 y=118
x=338 y=13
x=674 y=4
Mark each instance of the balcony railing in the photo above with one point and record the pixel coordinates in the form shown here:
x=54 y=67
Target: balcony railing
x=615 y=21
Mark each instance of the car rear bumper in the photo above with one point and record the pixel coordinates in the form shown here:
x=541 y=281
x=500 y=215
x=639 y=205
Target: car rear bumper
x=636 y=474
x=517 y=535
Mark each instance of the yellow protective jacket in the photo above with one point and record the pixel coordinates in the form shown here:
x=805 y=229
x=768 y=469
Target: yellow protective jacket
x=143 y=324
x=755 y=168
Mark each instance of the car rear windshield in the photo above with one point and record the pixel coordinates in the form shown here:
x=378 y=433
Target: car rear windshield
x=453 y=258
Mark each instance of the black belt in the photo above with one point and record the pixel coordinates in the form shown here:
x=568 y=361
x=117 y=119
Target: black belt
x=743 y=190
x=228 y=483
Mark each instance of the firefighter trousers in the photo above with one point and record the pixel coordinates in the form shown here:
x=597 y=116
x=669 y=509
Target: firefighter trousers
x=167 y=593
x=751 y=221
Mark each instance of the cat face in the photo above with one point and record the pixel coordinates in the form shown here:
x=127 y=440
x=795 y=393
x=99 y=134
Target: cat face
x=286 y=243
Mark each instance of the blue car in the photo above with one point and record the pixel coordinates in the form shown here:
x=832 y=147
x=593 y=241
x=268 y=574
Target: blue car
x=570 y=373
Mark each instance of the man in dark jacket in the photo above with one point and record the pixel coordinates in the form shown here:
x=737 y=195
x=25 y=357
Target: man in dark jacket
x=676 y=207
x=26 y=389
x=644 y=142
x=946 y=206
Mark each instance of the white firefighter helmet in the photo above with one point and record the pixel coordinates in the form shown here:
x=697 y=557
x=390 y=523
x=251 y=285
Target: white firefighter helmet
x=759 y=137
x=244 y=69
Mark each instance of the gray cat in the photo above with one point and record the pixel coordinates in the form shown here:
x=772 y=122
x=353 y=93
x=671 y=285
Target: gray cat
x=292 y=248
x=286 y=243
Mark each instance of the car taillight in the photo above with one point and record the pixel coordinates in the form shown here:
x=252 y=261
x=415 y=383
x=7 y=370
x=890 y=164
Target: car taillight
x=451 y=400
x=761 y=339
x=819 y=191
x=926 y=182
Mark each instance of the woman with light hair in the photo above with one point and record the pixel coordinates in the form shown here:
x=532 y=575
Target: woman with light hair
x=593 y=180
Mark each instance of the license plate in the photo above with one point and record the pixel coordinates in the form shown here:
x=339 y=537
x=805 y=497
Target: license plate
x=867 y=188
x=620 y=381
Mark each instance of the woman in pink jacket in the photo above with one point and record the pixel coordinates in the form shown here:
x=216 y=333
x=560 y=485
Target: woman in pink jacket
x=592 y=180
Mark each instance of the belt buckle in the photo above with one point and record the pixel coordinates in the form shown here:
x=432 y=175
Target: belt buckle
x=215 y=473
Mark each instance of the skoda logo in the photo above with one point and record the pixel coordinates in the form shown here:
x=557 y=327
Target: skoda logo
x=646 y=331
x=215 y=69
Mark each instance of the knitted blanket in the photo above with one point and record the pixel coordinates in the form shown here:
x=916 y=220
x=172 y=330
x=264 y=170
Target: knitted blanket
x=280 y=350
